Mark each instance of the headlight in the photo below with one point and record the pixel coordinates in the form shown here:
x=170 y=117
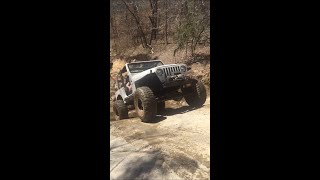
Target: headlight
x=183 y=68
x=159 y=72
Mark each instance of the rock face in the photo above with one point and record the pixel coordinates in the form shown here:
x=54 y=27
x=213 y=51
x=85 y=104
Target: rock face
x=178 y=145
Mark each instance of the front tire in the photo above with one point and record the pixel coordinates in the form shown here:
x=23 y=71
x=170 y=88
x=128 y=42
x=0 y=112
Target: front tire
x=120 y=110
x=195 y=95
x=145 y=104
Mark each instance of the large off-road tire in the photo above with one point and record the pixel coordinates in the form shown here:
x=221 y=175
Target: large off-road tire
x=161 y=107
x=195 y=95
x=120 y=110
x=145 y=104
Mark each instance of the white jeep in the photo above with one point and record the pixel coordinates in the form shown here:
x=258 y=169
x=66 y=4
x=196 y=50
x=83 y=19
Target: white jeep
x=146 y=85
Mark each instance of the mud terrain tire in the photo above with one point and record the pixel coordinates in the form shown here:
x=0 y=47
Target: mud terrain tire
x=120 y=110
x=161 y=107
x=145 y=104
x=195 y=95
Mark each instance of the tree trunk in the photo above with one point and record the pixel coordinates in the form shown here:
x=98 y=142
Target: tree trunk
x=153 y=19
x=166 y=22
x=141 y=33
x=186 y=49
x=115 y=32
x=198 y=38
x=129 y=34
x=192 y=47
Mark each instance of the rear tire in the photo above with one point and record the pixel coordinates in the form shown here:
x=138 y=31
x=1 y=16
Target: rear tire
x=145 y=104
x=120 y=110
x=195 y=95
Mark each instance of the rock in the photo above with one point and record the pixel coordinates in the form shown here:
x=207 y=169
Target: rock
x=184 y=103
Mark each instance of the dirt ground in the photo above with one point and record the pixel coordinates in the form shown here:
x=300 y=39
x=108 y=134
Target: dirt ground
x=175 y=146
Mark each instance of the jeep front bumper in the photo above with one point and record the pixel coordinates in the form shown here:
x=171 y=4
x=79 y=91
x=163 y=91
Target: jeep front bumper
x=177 y=81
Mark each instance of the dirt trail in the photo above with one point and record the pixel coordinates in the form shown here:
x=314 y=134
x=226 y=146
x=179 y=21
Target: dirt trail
x=175 y=146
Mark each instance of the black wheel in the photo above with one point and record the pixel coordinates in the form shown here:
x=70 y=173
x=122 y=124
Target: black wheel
x=161 y=107
x=145 y=104
x=195 y=95
x=120 y=110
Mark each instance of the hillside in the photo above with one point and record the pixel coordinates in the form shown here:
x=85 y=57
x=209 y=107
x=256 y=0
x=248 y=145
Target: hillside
x=200 y=64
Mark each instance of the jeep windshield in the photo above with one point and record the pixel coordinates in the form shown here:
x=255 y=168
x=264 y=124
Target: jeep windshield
x=139 y=67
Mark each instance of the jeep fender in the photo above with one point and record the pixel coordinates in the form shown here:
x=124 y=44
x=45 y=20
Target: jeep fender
x=150 y=80
x=120 y=94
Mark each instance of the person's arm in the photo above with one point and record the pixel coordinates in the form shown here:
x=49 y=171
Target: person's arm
x=129 y=86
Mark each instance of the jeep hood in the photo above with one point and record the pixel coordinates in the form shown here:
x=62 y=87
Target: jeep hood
x=137 y=76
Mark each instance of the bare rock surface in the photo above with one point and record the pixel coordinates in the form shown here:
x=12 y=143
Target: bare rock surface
x=175 y=146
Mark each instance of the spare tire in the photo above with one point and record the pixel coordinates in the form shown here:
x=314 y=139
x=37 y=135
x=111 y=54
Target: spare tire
x=145 y=104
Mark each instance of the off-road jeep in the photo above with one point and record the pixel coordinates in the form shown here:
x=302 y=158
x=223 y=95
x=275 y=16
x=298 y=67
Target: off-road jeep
x=146 y=85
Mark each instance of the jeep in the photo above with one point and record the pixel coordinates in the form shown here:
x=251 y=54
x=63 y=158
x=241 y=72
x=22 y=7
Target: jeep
x=146 y=85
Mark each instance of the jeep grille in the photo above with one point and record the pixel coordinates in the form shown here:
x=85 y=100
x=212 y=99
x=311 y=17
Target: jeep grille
x=169 y=71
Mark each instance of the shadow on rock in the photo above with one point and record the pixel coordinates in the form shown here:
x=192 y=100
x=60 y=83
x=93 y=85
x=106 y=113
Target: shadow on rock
x=181 y=161
x=180 y=110
x=171 y=112
x=162 y=116
x=151 y=166
x=158 y=118
x=141 y=168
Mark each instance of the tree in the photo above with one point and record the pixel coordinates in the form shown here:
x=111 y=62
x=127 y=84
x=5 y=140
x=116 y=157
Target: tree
x=142 y=34
x=192 y=25
x=185 y=23
x=153 y=19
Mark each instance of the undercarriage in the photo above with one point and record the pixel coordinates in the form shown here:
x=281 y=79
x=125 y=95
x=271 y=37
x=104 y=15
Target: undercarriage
x=169 y=91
